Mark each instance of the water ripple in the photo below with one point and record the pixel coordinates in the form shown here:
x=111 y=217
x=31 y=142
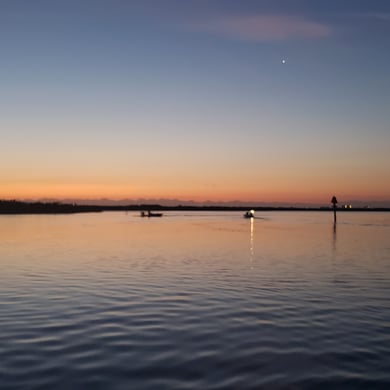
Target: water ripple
x=213 y=310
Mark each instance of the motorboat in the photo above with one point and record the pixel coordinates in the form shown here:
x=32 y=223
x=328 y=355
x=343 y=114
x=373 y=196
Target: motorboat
x=150 y=214
x=249 y=214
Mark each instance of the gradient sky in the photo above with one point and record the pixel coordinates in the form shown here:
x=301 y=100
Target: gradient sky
x=190 y=99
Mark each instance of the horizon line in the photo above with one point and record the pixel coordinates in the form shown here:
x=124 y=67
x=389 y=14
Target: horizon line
x=178 y=202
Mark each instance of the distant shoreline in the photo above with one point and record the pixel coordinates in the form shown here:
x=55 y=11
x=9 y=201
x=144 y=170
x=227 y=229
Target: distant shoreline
x=8 y=207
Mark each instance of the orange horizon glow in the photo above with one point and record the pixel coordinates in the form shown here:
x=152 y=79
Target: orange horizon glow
x=116 y=192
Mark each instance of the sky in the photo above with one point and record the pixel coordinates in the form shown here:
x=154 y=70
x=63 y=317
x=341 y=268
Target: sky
x=220 y=100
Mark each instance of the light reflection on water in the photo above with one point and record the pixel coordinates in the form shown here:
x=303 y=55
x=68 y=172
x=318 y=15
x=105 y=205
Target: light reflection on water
x=252 y=249
x=195 y=300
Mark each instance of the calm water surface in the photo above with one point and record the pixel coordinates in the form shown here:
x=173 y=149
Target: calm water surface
x=195 y=301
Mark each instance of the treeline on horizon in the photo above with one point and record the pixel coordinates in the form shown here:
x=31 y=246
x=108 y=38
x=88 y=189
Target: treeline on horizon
x=20 y=207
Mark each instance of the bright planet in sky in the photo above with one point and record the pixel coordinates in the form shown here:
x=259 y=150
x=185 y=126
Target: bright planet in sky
x=283 y=61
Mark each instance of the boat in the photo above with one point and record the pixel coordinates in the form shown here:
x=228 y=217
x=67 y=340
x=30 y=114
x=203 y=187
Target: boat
x=249 y=214
x=150 y=214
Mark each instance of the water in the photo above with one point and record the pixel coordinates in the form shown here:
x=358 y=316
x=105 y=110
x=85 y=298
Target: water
x=195 y=301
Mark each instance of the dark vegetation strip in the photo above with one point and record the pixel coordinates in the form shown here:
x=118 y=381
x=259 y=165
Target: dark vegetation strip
x=18 y=207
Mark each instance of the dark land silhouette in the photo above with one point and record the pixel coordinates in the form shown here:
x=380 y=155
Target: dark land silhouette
x=19 y=207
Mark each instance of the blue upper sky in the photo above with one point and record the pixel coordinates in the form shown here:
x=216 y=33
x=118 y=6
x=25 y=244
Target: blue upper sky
x=195 y=84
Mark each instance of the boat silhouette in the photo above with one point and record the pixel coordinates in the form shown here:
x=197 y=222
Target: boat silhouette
x=249 y=214
x=150 y=214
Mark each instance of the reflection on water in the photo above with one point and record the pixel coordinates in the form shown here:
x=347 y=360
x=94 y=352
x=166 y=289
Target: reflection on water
x=334 y=237
x=116 y=301
x=252 y=251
